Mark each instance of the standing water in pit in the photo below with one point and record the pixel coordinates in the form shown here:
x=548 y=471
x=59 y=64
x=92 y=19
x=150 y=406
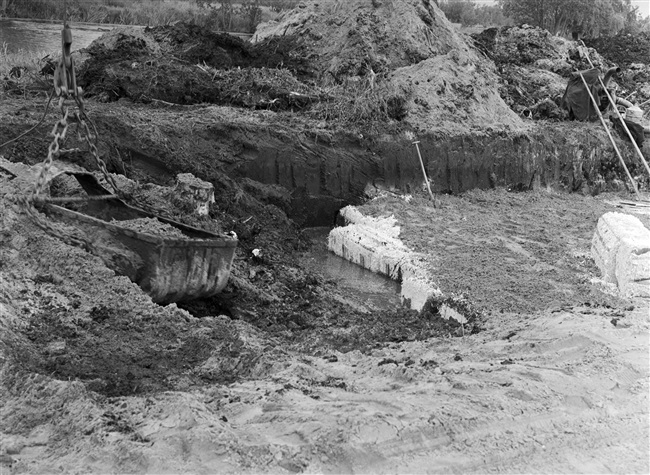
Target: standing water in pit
x=364 y=287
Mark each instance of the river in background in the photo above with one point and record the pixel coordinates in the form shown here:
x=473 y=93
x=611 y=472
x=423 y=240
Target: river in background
x=44 y=36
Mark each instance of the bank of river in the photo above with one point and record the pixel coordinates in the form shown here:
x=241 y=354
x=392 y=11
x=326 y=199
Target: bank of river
x=45 y=36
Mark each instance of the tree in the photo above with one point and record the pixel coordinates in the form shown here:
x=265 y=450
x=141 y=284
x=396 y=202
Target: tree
x=587 y=17
x=454 y=10
x=468 y=13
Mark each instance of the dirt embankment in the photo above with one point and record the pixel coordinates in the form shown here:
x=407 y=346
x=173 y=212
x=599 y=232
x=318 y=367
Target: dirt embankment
x=534 y=65
x=632 y=54
x=340 y=61
x=187 y=64
x=285 y=371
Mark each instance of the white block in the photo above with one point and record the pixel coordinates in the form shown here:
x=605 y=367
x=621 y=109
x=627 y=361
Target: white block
x=621 y=249
x=373 y=243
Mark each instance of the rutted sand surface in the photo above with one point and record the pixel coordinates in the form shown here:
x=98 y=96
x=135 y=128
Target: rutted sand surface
x=284 y=372
x=562 y=389
x=566 y=392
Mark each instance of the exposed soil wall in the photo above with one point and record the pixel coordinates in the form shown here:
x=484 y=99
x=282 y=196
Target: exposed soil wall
x=573 y=158
x=562 y=156
x=318 y=171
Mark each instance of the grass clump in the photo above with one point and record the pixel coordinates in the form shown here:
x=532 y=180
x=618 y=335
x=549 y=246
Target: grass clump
x=19 y=71
x=358 y=100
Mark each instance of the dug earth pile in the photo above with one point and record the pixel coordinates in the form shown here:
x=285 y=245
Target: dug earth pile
x=286 y=370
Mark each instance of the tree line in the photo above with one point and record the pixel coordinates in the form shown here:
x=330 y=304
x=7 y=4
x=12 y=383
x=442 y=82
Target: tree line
x=225 y=15
x=580 y=18
x=577 y=18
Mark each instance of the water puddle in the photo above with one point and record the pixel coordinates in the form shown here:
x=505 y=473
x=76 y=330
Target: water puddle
x=364 y=287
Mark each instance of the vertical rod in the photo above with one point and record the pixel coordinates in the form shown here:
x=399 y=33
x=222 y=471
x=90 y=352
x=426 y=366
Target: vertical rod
x=424 y=172
x=602 y=120
x=629 y=134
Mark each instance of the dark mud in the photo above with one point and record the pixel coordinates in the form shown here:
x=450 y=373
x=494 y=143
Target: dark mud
x=273 y=173
x=624 y=48
x=187 y=64
x=119 y=356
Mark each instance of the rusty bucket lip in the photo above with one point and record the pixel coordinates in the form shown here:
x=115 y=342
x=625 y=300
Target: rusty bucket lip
x=218 y=240
x=212 y=239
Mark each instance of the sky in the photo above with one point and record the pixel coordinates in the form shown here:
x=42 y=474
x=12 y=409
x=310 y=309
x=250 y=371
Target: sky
x=644 y=5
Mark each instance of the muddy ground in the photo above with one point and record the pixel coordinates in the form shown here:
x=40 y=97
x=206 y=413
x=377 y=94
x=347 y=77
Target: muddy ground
x=287 y=371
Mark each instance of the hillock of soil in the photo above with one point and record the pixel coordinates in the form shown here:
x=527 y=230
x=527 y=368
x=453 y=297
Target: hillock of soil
x=342 y=62
x=188 y=64
x=534 y=65
x=623 y=49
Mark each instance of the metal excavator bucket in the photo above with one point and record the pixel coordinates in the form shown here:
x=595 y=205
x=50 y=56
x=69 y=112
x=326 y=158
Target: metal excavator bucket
x=169 y=260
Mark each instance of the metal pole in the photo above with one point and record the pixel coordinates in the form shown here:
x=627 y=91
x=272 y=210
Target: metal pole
x=602 y=120
x=629 y=134
x=424 y=173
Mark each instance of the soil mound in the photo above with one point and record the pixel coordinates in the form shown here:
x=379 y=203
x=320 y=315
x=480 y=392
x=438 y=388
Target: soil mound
x=632 y=54
x=352 y=38
x=623 y=49
x=188 y=64
x=407 y=45
x=356 y=63
x=534 y=66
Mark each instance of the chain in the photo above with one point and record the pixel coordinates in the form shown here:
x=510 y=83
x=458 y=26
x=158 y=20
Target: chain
x=65 y=85
x=90 y=139
x=27 y=202
x=58 y=132
x=55 y=229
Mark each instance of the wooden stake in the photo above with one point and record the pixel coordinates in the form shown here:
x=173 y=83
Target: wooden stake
x=424 y=172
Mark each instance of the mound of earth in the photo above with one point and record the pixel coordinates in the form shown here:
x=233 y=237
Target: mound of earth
x=188 y=64
x=631 y=52
x=408 y=45
x=623 y=49
x=356 y=37
x=534 y=66
x=390 y=61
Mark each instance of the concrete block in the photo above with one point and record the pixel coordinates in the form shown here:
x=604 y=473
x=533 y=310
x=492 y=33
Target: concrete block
x=621 y=249
x=374 y=244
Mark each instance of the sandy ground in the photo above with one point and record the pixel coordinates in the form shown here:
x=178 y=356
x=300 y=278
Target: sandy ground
x=285 y=372
x=544 y=387
x=562 y=393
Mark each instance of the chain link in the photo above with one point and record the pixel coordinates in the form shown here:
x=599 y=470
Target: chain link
x=65 y=85
x=27 y=202
x=90 y=139
x=59 y=131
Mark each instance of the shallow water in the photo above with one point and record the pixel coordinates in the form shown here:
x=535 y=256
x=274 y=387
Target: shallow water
x=364 y=287
x=45 y=37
